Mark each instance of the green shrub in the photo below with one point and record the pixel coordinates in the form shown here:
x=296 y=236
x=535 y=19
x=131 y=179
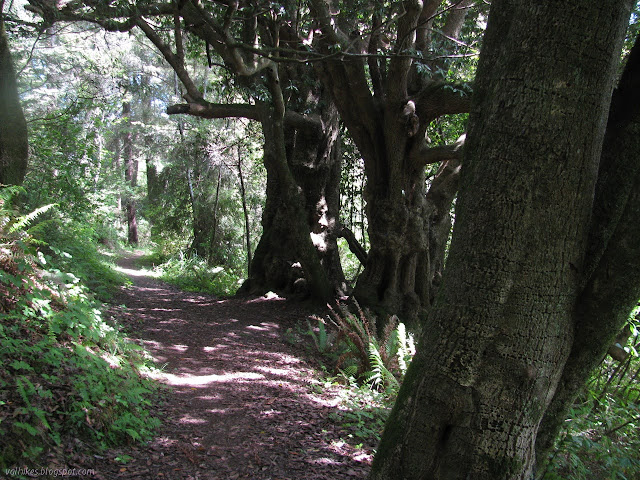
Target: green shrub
x=193 y=274
x=601 y=436
x=67 y=372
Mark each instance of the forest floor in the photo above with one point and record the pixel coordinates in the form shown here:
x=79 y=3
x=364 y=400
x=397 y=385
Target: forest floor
x=241 y=401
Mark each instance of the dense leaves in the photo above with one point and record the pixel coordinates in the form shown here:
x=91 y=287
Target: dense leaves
x=68 y=372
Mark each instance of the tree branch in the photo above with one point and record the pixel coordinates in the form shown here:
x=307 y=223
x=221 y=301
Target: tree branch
x=328 y=24
x=193 y=94
x=422 y=155
x=423 y=29
x=374 y=63
x=455 y=19
x=355 y=247
x=445 y=185
x=399 y=65
x=217 y=110
x=439 y=98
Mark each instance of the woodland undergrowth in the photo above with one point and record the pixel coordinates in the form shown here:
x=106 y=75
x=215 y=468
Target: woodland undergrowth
x=70 y=380
x=600 y=438
x=193 y=273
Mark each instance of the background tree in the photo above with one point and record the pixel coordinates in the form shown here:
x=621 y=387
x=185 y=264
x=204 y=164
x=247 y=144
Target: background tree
x=300 y=130
x=14 y=146
x=511 y=309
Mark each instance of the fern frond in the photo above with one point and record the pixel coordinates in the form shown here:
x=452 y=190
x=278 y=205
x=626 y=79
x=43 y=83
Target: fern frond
x=380 y=376
x=22 y=222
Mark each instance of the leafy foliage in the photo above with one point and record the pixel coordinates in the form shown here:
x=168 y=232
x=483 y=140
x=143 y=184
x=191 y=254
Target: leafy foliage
x=359 y=352
x=69 y=373
x=195 y=275
x=601 y=437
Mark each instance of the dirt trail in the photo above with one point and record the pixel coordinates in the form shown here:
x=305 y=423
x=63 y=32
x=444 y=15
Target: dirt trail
x=239 y=404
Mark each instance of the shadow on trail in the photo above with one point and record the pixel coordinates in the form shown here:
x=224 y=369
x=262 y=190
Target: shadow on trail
x=239 y=402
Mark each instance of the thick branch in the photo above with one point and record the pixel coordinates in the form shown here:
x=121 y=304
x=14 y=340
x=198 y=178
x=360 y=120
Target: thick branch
x=217 y=110
x=374 y=63
x=399 y=65
x=439 y=99
x=193 y=93
x=423 y=30
x=252 y=112
x=455 y=19
x=329 y=25
x=356 y=105
x=355 y=247
x=424 y=155
x=445 y=185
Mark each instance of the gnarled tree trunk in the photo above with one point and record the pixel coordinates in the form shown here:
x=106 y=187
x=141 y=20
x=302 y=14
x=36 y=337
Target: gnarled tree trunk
x=313 y=159
x=387 y=108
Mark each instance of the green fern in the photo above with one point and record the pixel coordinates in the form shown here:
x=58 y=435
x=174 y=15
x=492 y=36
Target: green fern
x=321 y=339
x=380 y=362
x=379 y=376
x=24 y=221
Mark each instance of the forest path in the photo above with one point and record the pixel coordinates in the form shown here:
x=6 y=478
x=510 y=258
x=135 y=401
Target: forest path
x=240 y=403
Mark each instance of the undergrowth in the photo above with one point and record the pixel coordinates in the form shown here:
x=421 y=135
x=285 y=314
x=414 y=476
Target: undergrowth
x=194 y=274
x=367 y=367
x=349 y=342
x=601 y=435
x=69 y=377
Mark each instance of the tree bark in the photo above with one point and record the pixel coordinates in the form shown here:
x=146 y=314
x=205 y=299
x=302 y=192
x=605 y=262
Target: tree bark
x=313 y=160
x=611 y=269
x=14 y=146
x=130 y=176
x=502 y=326
x=407 y=229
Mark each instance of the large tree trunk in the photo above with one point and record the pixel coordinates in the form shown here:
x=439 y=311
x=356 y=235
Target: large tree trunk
x=408 y=232
x=14 y=146
x=611 y=271
x=502 y=325
x=313 y=160
x=408 y=226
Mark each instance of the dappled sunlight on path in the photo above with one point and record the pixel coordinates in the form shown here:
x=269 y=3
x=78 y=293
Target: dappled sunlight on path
x=239 y=401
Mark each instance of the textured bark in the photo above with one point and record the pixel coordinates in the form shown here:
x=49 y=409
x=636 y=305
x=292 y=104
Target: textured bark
x=502 y=325
x=407 y=230
x=14 y=147
x=612 y=269
x=314 y=165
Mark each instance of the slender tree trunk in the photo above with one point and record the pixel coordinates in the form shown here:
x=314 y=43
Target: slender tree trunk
x=131 y=177
x=243 y=195
x=214 y=228
x=14 y=146
x=502 y=325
